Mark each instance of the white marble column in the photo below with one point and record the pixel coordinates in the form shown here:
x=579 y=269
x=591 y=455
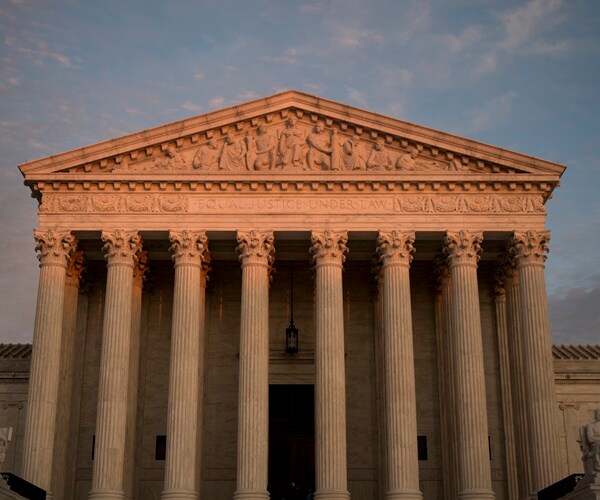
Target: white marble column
x=121 y=248
x=256 y=251
x=54 y=247
x=139 y=275
x=64 y=438
x=446 y=383
x=463 y=249
x=395 y=249
x=189 y=250
x=529 y=249
x=518 y=384
x=328 y=252
x=505 y=381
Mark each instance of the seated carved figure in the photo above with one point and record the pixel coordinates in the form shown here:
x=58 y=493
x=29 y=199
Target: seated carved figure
x=320 y=150
x=590 y=444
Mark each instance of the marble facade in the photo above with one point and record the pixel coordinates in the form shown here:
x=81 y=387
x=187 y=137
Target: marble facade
x=179 y=241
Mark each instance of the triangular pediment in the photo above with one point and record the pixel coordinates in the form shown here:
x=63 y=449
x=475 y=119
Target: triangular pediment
x=294 y=134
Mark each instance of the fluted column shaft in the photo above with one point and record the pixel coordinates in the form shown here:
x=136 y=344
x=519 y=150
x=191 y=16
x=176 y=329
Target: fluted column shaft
x=518 y=384
x=446 y=383
x=530 y=249
x=64 y=439
x=475 y=482
x=256 y=255
x=377 y=290
x=185 y=388
x=396 y=249
x=328 y=250
x=54 y=248
x=121 y=249
x=505 y=382
x=139 y=271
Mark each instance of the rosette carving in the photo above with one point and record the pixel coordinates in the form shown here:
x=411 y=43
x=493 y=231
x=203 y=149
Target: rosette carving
x=188 y=247
x=75 y=269
x=328 y=247
x=463 y=247
x=529 y=247
x=121 y=246
x=54 y=246
x=256 y=247
x=396 y=247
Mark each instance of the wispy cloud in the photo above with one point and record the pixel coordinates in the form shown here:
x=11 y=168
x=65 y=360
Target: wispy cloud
x=356 y=96
x=190 y=106
x=354 y=36
x=279 y=59
x=216 y=102
x=393 y=75
x=466 y=39
x=492 y=112
x=527 y=29
x=574 y=317
x=246 y=95
x=524 y=23
x=311 y=8
x=39 y=50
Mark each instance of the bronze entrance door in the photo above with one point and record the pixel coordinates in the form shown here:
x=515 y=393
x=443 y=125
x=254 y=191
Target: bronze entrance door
x=291 y=441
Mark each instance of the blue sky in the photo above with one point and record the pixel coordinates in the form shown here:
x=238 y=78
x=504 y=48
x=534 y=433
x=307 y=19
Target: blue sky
x=523 y=75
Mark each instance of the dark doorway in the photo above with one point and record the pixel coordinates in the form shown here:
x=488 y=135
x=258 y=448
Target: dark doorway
x=291 y=441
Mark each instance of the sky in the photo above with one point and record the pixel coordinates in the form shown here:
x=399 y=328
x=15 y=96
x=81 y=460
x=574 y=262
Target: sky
x=522 y=75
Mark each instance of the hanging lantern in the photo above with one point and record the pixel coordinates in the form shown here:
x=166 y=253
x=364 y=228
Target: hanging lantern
x=291 y=332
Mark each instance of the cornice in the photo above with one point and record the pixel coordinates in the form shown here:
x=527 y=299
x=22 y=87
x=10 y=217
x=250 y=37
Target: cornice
x=280 y=182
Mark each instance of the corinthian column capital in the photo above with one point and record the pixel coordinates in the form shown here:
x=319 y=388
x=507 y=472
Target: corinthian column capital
x=188 y=247
x=121 y=246
x=328 y=247
x=463 y=247
x=396 y=247
x=75 y=269
x=54 y=246
x=529 y=247
x=256 y=247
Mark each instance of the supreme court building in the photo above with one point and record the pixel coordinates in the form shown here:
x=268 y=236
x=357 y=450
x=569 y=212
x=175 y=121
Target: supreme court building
x=172 y=260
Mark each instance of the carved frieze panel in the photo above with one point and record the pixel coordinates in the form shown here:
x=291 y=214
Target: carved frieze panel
x=290 y=142
x=114 y=203
x=291 y=202
x=475 y=204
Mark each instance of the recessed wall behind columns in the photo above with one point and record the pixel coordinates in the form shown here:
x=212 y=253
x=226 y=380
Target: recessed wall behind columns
x=221 y=380
x=492 y=378
x=426 y=377
x=96 y=288
x=361 y=402
x=221 y=372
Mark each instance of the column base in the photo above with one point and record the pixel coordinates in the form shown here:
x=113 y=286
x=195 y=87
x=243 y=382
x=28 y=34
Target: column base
x=476 y=495
x=175 y=494
x=251 y=495
x=106 y=495
x=332 y=495
x=404 y=495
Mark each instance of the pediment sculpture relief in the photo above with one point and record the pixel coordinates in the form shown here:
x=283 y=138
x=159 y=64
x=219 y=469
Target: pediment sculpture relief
x=294 y=146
